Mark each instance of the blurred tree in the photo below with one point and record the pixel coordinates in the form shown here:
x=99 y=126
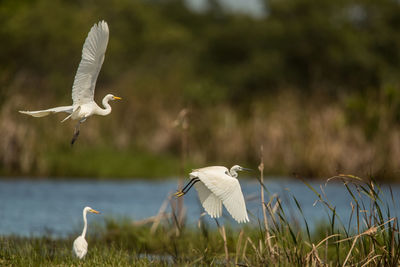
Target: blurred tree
x=225 y=67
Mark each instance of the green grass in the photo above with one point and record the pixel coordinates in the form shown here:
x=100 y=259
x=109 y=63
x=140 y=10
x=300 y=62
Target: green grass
x=372 y=240
x=47 y=252
x=111 y=163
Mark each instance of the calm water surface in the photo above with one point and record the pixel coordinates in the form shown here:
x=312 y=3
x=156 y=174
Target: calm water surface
x=32 y=207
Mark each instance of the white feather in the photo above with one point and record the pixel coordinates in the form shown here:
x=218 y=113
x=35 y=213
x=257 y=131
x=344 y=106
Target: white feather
x=80 y=247
x=84 y=85
x=211 y=203
x=223 y=187
x=45 y=112
x=92 y=59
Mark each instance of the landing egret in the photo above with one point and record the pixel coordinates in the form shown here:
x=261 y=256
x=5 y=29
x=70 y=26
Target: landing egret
x=80 y=246
x=218 y=185
x=83 y=105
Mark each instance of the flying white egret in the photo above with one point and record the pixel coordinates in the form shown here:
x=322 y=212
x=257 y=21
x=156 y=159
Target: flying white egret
x=83 y=105
x=80 y=246
x=218 y=185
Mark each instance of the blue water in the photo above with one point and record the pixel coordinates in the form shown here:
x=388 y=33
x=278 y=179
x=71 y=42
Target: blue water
x=38 y=207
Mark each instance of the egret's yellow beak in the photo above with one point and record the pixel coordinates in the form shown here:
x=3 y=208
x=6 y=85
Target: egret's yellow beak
x=94 y=211
x=117 y=98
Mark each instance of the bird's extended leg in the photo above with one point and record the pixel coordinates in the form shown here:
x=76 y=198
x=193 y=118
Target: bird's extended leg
x=76 y=133
x=187 y=187
x=191 y=183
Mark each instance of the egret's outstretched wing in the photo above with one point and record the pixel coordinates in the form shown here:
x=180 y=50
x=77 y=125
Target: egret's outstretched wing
x=92 y=58
x=211 y=203
x=227 y=189
x=45 y=112
x=234 y=202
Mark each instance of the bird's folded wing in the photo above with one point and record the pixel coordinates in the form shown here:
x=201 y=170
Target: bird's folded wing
x=211 y=203
x=80 y=247
x=92 y=59
x=228 y=190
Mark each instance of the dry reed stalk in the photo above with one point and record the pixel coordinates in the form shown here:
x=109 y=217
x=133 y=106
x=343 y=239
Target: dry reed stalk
x=313 y=257
x=371 y=259
x=174 y=217
x=199 y=220
x=326 y=249
x=244 y=251
x=393 y=239
x=238 y=246
x=261 y=169
x=152 y=219
x=159 y=215
x=223 y=234
x=371 y=231
x=326 y=239
x=184 y=123
x=255 y=248
x=351 y=249
x=314 y=253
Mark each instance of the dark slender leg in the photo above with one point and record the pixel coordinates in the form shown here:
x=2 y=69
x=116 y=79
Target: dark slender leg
x=190 y=184
x=76 y=133
x=187 y=190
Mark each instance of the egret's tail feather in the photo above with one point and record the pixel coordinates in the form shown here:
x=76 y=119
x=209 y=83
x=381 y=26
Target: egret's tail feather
x=37 y=114
x=45 y=112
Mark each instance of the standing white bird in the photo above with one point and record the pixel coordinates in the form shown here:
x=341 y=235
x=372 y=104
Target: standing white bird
x=83 y=105
x=80 y=245
x=218 y=185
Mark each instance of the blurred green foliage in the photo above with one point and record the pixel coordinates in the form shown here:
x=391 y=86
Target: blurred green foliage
x=163 y=56
x=309 y=45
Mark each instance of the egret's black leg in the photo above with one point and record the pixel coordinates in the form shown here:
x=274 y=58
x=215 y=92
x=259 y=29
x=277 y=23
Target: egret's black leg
x=187 y=190
x=190 y=184
x=76 y=133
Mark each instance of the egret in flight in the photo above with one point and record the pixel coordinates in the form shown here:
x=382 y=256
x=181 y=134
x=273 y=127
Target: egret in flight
x=83 y=105
x=80 y=246
x=218 y=185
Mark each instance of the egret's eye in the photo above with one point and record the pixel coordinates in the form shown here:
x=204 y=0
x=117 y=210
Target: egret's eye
x=226 y=172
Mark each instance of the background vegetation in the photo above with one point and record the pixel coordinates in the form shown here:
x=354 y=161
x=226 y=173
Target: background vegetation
x=314 y=81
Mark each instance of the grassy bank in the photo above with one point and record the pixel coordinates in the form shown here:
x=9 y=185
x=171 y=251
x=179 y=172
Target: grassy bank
x=369 y=238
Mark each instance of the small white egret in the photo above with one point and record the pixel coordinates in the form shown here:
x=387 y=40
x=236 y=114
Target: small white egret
x=80 y=246
x=218 y=185
x=83 y=105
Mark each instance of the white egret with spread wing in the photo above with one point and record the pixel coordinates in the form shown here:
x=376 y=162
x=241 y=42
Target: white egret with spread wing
x=83 y=105
x=80 y=246
x=216 y=185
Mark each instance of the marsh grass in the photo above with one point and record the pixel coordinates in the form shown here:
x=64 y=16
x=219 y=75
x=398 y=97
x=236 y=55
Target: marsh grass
x=314 y=137
x=369 y=238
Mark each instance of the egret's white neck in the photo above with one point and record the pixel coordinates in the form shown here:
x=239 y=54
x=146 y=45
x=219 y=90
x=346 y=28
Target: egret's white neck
x=233 y=172
x=107 y=107
x=85 y=223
